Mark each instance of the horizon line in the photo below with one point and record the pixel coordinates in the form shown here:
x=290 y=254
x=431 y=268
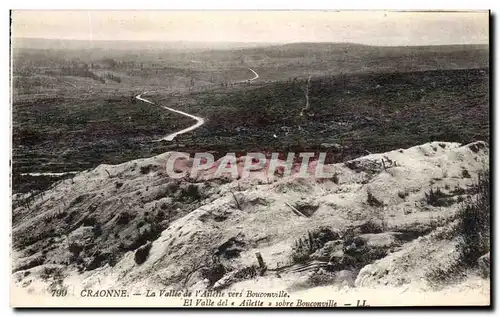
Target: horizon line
x=239 y=42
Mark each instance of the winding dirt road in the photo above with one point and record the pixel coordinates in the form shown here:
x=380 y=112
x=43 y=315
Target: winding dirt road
x=199 y=121
x=170 y=137
x=251 y=79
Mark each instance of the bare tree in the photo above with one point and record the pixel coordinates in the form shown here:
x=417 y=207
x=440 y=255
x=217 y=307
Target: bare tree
x=306 y=93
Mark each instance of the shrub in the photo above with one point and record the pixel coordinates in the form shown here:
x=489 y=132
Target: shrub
x=123 y=218
x=402 y=194
x=213 y=272
x=446 y=273
x=97 y=230
x=371 y=226
x=437 y=198
x=191 y=193
x=89 y=221
x=473 y=229
x=142 y=253
x=335 y=178
x=466 y=174
x=51 y=272
x=75 y=249
x=314 y=240
x=146 y=169
x=474 y=222
x=300 y=255
x=372 y=201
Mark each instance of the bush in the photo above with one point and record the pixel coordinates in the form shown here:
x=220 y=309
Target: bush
x=474 y=222
x=372 y=201
x=75 y=249
x=213 y=272
x=445 y=273
x=437 y=198
x=146 y=169
x=314 y=240
x=142 y=253
x=191 y=193
x=123 y=218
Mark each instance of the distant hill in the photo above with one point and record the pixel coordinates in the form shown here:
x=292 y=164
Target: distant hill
x=39 y=43
x=301 y=49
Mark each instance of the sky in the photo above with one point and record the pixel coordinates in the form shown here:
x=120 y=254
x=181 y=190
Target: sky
x=365 y=27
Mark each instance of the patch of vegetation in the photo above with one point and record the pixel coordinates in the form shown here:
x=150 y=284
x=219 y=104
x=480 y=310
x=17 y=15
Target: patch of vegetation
x=372 y=201
x=335 y=179
x=150 y=233
x=124 y=218
x=75 y=249
x=142 y=253
x=466 y=174
x=403 y=194
x=213 y=272
x=146 y=169
x=190 y=193
x=371 y=226
x=441 y=274
x=313 y=241
x=51 y=272
x=474 y=222
x=473 y=229
x=437 y=198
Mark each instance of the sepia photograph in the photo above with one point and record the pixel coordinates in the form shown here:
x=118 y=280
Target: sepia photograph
x=250 y=159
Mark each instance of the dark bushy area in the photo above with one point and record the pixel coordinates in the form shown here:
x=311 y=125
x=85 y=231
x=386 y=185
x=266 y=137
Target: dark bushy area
x=313 y=241
x=141 y=254
x=474 y=225
x=437 y=198
x=473 y=230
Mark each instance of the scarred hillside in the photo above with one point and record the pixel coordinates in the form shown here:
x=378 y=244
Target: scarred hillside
x=383 y=219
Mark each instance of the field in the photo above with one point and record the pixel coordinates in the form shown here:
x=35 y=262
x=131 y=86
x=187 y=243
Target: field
x=74 y=109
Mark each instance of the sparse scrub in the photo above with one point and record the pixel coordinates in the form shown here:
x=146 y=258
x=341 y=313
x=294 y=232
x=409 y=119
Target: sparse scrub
x=51 y=272
x=473 y=230
x=142 y=253
x=372 y=201
x=402 y=194
x=466 y=174
x=313 y=241
x=440 y=274
x=123 y=218
x=437 y=198
x=474 y=222
x=213 y=272
x=112 y=77
x=190 y=193
x=335 y=178
x=146 y=169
